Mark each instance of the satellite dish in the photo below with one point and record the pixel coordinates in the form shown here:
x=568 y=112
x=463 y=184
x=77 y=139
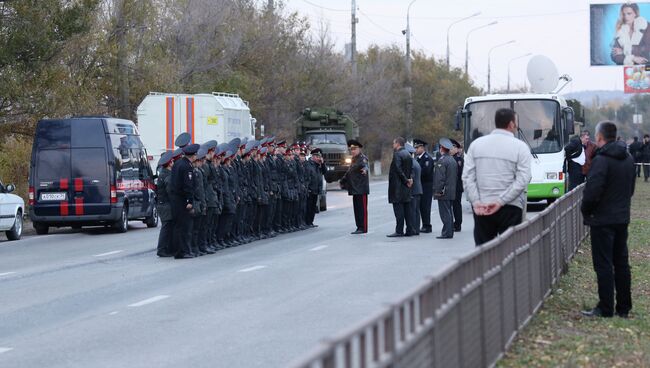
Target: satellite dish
x=542 y=74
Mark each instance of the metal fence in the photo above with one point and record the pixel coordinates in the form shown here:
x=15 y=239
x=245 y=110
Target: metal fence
x=469 y=313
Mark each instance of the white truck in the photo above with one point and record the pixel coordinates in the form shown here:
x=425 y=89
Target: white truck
x=219 y=116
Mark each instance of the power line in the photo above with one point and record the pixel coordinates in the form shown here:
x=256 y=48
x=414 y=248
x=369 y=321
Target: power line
x=530 y=15
x=325 y=8
x=377 y=25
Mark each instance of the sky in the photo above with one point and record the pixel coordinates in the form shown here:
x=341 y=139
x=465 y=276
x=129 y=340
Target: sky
x=558 y=29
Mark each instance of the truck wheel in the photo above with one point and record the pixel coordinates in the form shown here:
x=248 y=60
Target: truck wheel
x=41 y=229
x=17 y=230
x=323 y=203
x=152 y=221
x=122 y=225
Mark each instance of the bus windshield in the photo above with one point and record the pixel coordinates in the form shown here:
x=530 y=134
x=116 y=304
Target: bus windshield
x=538 y=120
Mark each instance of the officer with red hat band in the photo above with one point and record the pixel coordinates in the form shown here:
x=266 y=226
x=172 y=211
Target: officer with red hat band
x=356 y=181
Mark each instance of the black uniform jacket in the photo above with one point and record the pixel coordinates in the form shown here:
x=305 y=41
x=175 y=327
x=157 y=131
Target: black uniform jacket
x=426 y=164
x=400 y=172
x=354 y=180
x=163 y=191
x=314 y=175
x=445 y=178
x=610 y=186
x=182 y=180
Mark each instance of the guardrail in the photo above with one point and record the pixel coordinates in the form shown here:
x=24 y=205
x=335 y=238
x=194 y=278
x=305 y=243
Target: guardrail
x=469 y=313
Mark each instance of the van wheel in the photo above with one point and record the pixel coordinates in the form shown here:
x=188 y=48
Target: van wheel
x=122 y=225
x=41 y=229
x=152 y=221
x=17 y=230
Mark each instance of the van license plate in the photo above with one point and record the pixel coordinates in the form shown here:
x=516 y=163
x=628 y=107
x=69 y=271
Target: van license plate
x=53 y=196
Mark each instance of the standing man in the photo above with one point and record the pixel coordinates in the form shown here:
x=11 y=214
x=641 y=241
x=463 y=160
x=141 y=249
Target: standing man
x=444 y=187
x=399 y=187
x=314 y=169
x=606 y=209
x=163 y=205
x=645 y=157
x=496 y=175
x=635 y=151
x=416 y=192
x=183 y=201
x=457 y=154
x=590 y=151
x=574 y=159
x=426 y=177
x=357 y=184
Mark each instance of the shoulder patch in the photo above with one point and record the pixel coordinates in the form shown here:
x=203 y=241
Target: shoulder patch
x=189 y=175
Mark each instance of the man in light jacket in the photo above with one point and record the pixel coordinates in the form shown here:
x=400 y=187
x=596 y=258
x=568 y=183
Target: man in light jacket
x=496 y=175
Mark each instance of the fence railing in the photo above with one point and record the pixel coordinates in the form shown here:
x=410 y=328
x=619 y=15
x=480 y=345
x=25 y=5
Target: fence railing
x=469 y=313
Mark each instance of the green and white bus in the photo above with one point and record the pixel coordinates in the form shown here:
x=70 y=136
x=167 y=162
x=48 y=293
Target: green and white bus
x=545 y=123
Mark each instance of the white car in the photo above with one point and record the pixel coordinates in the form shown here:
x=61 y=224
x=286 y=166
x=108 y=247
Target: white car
x=12 y=208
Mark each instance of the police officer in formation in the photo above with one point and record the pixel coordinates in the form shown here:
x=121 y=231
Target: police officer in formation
x=215 y=196
x=444 y=187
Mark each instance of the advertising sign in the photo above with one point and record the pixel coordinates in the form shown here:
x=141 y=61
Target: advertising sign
x=636 y=79
x=620 y=34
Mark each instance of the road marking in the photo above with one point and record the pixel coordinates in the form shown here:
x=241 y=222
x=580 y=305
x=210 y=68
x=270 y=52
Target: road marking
x=320 y=247
x=108 y=253
x=6 y=273
x=113 y=313
x=4 y=350
x=149 y=301
x=254 y=268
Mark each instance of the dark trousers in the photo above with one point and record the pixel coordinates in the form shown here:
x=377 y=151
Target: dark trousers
x=182 y=244
x=225 y=226
x=610 y=258
x=637 y=167
x=166 y=238
x=487 y=228
x=211 y=222
x=415 y=213
x=576 y=177
x=312 y=202
x=198 y=234
x=360 y=205
x=270 y=220
x=646 y=171
x=277 y=216
x=425 y=205
x=457 y=207
x=447 y=217
x=402 y=213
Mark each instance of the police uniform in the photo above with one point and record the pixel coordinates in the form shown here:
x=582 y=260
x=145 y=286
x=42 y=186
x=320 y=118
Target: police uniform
x=314 y=184
x=183 y=196
x=356 y=181
x=444 y=189
x=163 y=206
x=199 y=208
x=427 y=164
x=457 y=204
x=212 y=196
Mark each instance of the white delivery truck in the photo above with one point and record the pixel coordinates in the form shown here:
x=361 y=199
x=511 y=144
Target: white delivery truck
x=219 y=116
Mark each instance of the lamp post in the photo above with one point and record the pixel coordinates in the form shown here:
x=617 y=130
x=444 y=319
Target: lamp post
x=489 y=55
x=510 y=62
x=449 y=28
x=409 y=89
x=467 y=44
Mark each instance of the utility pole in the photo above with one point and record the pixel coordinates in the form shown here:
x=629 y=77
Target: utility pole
x=409 y=88
x=271 y=5
x=353 y=44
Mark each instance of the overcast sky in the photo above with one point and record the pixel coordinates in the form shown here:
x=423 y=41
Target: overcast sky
x=558 y=29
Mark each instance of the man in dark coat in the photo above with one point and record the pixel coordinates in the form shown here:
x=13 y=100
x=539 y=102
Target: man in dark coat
x=457 y=154
x=635 y=150
x=400 y=182
x=314 y=169
x=426 y=178
x=444 y=187
x=163 y=205
x=572 y=153
x=182 y=181
x=606 y=209
x=416 y=193
x=357 y=184
x=645 y=157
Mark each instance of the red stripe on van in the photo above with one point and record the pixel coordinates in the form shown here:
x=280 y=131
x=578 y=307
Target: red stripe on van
x=64 y=208
x=63 y=184
x=79 y=206
x=189 y=111
x=78 y=184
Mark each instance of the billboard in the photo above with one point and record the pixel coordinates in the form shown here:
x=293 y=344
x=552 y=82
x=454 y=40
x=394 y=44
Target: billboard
x=636 y=79
x=620 y=34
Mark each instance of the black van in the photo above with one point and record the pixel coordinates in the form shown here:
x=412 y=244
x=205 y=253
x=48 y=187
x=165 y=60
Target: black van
x=89 y=171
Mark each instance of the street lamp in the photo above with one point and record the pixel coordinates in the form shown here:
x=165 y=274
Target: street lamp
x=510 y=62
x=409 y=90
x=467 y=43
x=448 y=28
x=490 y=53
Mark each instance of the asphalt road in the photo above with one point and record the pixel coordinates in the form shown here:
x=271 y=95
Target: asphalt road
x=94 y=298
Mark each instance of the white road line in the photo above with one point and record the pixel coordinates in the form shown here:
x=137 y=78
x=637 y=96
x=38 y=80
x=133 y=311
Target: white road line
x=320 y=247
x=4 y=350
x=254 y=268
x=6 y=273
x=113 y=313
x=149 y=301
x=108 y=253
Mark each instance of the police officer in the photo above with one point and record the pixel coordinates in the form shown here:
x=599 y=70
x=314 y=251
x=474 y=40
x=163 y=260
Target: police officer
x=356 y=181
x=457 y=154
x=427 y=164
x=200 y=206
x=225 y=235
x=212 y=194
x=315 y=170
x=280 y=167
x=163 y=204
x=444 y=187
x=182 y=181
x=416 y=192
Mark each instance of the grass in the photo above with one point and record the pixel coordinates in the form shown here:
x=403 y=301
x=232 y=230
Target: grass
x=560 y=337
